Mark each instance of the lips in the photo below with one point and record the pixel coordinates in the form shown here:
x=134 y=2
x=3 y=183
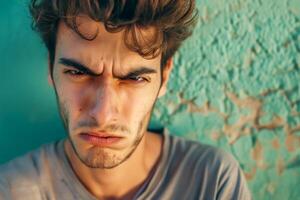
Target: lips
x=100 y=138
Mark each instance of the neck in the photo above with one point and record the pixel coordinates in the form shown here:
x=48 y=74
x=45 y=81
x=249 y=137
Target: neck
x=123 y=181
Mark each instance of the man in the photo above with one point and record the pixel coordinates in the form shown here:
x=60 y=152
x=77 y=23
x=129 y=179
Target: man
x=109 y=61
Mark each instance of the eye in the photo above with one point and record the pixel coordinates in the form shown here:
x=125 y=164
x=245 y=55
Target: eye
x=138 y=79
x=74 y=72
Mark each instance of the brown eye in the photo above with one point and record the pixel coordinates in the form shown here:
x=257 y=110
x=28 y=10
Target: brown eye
x=137 y=79
x=74 y=72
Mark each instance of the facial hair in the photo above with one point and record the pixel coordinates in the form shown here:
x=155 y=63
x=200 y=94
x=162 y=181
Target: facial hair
x=98 y=157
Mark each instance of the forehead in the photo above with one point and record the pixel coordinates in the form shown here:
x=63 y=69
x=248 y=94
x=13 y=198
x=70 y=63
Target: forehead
x=89 y=29
x=104 y=44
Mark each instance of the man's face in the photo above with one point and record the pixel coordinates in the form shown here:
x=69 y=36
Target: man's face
x=103 y=88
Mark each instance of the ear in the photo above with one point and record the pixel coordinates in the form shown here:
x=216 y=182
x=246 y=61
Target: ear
x=165 y=77
x=50 y=79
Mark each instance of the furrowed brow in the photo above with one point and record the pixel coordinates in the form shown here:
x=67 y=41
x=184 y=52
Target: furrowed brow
x=75 y=64
x=137 y=72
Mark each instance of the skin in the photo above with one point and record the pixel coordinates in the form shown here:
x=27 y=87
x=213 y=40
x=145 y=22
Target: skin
x=97 y=99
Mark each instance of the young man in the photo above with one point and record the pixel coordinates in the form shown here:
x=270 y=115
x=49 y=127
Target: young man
x=109 y=61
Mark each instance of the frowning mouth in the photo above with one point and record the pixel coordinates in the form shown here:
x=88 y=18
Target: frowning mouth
x=100 y=139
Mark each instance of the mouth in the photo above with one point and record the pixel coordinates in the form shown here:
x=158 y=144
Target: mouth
x=100 y=138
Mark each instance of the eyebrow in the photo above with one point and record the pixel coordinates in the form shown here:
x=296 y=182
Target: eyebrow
x=77 y=65
x=135 y=72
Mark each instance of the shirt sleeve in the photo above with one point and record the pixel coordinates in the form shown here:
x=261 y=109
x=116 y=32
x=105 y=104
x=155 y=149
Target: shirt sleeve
x=232 y=183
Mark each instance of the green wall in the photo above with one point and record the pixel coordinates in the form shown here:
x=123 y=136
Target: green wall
x=28 y=113
x=235 y=85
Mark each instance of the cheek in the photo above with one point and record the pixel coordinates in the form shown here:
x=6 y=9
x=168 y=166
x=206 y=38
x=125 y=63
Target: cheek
x=138 y=104
x=69 y=99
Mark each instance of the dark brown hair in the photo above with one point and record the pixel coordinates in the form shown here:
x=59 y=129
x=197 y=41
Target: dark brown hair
x=173 y=21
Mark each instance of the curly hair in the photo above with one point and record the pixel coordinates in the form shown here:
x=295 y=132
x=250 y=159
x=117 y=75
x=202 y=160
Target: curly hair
x=173 y=20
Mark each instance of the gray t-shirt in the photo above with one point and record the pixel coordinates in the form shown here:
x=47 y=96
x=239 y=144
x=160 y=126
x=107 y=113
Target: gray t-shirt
x=186 y=170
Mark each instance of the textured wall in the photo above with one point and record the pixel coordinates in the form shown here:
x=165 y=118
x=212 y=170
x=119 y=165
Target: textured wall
x=235 y=85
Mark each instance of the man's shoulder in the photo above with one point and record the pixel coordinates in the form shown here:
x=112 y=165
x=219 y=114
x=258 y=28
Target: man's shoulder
x=201 y=153
x=213 y=170
x=26 y=167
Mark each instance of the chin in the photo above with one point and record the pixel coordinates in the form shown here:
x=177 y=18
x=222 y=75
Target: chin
x=104 y=158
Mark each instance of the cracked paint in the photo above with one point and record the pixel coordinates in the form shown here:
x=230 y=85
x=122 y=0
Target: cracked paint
x=235 y=85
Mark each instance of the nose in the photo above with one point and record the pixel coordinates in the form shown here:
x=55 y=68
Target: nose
x=104 y=105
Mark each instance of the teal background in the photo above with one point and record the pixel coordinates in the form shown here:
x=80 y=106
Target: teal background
x=235 y=85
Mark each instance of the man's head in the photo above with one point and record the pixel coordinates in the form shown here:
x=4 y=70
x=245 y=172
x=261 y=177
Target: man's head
x=109 y=61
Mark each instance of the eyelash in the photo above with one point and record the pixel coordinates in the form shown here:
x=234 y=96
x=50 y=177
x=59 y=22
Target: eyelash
x=76 y=73
x=138 y=77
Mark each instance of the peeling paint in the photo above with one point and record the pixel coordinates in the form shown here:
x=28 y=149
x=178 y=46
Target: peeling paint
x=241 y=70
